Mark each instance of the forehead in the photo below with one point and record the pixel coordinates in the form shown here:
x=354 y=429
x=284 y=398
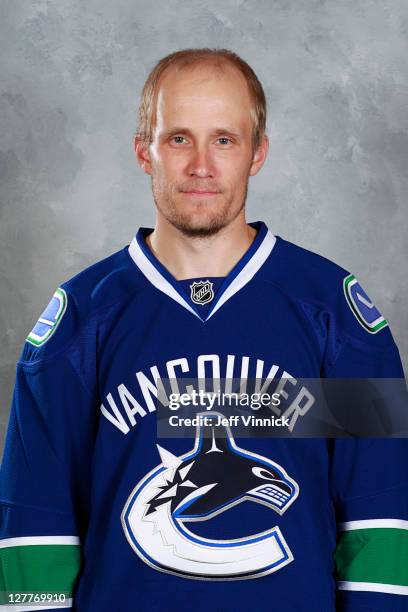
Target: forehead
x=201 y=93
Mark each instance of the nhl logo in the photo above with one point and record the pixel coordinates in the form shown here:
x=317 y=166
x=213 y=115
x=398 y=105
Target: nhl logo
x=202 y=292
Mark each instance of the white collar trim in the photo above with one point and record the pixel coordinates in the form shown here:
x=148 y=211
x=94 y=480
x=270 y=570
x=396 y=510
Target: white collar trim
x=248 y=271
x=155 y=277
x=244 y=276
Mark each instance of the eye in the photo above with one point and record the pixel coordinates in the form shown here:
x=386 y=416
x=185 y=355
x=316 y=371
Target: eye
x=224 y=138
x=177 y=137
x=263 y=473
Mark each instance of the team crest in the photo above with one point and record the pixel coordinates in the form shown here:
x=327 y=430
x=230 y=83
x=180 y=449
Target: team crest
x=49 y=319
x=362 y=307
x=203 y=483
x=202 y=292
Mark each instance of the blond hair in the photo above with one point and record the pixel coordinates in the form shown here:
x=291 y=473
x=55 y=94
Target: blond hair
x=187 y=58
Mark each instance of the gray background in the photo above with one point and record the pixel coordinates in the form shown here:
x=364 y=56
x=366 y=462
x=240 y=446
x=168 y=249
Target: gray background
x=335 y=75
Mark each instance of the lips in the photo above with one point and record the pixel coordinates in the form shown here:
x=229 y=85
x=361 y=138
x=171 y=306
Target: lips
x=200 y=192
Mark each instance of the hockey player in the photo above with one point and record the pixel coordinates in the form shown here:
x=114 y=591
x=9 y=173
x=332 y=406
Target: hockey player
x=101 y=514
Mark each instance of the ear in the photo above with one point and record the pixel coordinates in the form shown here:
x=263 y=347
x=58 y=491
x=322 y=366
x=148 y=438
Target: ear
x=259 y=155
x=142 y=154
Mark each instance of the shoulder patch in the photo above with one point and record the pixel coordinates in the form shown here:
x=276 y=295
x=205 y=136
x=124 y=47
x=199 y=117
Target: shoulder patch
x=49 y=319
x=362 y=307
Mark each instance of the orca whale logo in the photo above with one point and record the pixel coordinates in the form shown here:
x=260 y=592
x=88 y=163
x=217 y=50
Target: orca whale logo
x=204 y=482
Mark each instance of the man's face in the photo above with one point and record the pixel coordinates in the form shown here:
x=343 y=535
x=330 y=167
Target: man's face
x=202 y=143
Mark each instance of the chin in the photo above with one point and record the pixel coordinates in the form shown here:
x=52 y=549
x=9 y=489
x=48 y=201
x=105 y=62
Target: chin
x=198 y=225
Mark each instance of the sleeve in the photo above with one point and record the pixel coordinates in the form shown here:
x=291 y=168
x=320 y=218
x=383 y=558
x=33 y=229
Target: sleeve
x=369 y=476
x=45 y=473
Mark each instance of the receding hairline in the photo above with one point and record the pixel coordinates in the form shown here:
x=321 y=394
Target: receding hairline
x=215 y=61
x=209 y=65
x=217 y=66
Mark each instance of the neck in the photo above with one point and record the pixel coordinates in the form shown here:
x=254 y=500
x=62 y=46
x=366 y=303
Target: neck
x=193 y=257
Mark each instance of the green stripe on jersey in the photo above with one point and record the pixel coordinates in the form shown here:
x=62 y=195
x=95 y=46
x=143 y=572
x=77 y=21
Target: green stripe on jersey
x=374 y=555
x=39 y=567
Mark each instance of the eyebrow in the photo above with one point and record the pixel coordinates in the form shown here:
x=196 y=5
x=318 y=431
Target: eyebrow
x=183 y=130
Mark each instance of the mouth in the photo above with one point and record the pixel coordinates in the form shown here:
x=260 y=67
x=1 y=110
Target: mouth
x=198 y=193
x=278 y=496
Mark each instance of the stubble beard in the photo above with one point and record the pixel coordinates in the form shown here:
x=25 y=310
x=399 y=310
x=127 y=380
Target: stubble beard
x=185 y=223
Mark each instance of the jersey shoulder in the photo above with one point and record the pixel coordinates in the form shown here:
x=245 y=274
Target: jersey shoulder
x=78 y=302
x=324 y=288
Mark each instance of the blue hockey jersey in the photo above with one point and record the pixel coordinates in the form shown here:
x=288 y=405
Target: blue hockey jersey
x=100 y=514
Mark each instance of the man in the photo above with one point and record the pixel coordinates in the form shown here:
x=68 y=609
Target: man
x=95 y=505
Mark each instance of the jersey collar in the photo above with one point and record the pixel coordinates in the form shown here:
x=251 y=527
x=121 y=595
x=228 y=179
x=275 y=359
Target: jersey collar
x=238 y=277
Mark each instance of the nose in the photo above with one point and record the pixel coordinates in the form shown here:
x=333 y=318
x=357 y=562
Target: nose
x=201 y=163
